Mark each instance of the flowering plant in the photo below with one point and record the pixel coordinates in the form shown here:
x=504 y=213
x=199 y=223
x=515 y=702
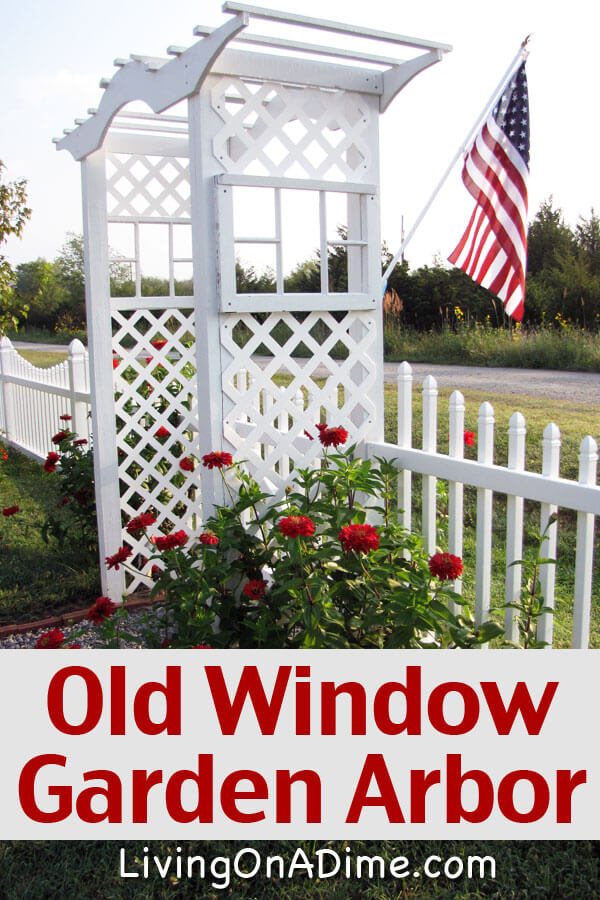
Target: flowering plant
x=327 y=565
x=71 y=464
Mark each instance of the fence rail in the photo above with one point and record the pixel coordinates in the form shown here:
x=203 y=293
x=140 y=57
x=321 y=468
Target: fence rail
x=32 y=399
x=512 y=481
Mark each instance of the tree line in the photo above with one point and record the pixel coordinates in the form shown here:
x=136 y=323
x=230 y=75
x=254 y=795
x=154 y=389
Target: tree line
x=563 y=279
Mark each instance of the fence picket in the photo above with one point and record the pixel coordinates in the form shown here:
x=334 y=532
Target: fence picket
x=517 y=432
x=584 y=557
x=430 y=394
x=483 y=563
x=550 y=467
x=405 y=380
x=456 y=449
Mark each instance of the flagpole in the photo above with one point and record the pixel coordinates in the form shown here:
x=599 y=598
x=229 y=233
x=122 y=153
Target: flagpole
x=521 y=55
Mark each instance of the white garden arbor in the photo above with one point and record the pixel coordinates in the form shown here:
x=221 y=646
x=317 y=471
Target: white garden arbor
x=291 y=126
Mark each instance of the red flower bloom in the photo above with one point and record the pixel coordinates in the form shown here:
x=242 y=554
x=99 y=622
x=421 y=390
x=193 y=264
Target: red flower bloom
x=333 y=437
x=50 y=640
x=120 y=556
x=158 y=344
x=65 y=418
x=101 y=610
x=79 y=442
x=116 y=362
x=202 y=647
x=60 y=436
x=10 y=511
x=308 y=435
x=208 y=538
x=255 y=589
x=445 y=566
x=51 y=461
x=155 y=572
x=149 y=360
x=320 y=426
x=361 y=538
x=216 y=460
x=162 y=432
x=73 y=646
x=296 y=526
x=169 y=541
x=63 y=502
x=138 y=523
x=469 y=437
x=186 y=464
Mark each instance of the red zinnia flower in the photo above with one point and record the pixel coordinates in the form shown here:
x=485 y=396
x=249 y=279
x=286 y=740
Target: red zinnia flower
x=60 y=436
x=162 y=432
x=469 y=438
x=65 y=418
x=445 y=566
x=361 y=538
x=255 y=589
x=63 y=502
x=207 y=537
x=51 y=461
x=120 y=556
x=169 y=541
x=50 y=640
x=79 y=442
x=216 y=460
x=186 y=464
x=296 y=526
x=155 y=572
x=10 y=511
x=333 y=437
x=158 y=344
x=101 y=610
x=116 y=362
x=138 y=523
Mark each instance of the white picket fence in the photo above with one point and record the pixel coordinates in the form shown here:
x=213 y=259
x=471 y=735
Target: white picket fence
x=513 y=481
x=32 y=399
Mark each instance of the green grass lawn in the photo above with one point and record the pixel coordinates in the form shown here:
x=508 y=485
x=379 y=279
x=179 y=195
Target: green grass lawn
x=37 y=580
x=43 y=359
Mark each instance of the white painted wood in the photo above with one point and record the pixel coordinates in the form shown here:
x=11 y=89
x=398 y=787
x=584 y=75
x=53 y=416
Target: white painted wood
x=211 y=410
x=550 y=468
x=395 y=79
x=405 y=381
x=6 y=351
x=429 y=527
x=299 y=184
x=456 y=449
x=517 y=432
x=179 y=78
x=275 y=15
x=483 y=561
x=95 y=239
x=529 y=485
x=584 y=559
x=262 y=40
x=78 y=366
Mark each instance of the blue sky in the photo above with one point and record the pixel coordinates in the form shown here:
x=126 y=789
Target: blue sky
x=53 y=55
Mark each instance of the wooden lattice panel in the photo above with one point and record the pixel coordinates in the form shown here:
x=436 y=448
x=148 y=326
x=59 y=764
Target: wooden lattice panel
x=147 y=186
x=155 y=388
x=271 y=401
x=278 y=130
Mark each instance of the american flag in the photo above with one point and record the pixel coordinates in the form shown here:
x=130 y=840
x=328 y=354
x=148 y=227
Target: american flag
x=493 y=249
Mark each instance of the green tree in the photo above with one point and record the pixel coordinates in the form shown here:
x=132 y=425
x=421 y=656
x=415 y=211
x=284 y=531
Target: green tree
x=36 y=286
x=548 y=236
x=14 y=212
